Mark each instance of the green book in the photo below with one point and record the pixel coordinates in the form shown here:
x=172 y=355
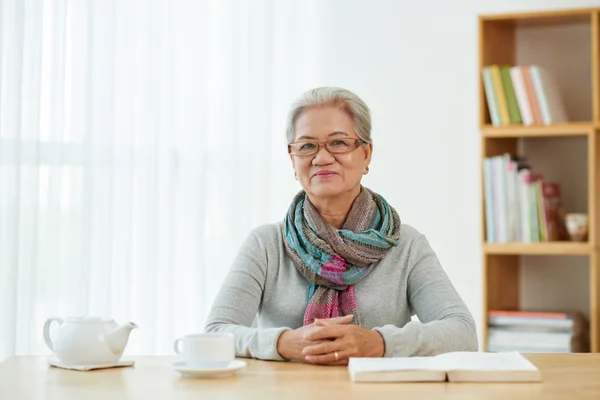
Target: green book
x=511 y=97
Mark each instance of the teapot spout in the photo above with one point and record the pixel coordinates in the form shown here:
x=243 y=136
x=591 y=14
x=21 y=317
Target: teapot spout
x=117 y=338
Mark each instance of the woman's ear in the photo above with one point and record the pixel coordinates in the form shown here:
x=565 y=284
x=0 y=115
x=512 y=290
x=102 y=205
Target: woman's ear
x=368 y=154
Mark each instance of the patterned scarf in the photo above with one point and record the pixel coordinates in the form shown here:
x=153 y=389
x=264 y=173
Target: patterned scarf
x=334 y=261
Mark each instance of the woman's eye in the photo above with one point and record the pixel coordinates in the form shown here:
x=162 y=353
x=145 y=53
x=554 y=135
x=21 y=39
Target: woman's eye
x=339 y=143
x=307 y=146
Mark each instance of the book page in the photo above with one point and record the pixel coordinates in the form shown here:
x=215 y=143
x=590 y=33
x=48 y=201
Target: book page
x=359 y=364
x=478 y=361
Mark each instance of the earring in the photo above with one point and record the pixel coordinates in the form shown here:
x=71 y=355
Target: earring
x=366 y=170
x=296 y=175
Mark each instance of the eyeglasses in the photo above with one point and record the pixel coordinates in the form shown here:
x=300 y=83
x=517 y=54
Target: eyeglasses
x=333 y=146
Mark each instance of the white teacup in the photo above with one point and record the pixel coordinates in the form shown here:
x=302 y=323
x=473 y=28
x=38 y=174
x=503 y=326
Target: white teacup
x=209 y=350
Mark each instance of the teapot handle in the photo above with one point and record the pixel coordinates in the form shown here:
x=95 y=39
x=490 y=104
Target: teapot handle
x=47 y=324
x=176 y=346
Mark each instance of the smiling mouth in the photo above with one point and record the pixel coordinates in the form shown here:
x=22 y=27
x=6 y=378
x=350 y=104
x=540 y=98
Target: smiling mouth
x=324 y=174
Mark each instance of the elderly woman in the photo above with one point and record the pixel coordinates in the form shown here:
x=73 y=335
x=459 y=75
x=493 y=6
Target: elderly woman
x=340 y=276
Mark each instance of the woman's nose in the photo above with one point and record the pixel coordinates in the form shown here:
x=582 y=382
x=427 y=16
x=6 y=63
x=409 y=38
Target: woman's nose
x=323 y=156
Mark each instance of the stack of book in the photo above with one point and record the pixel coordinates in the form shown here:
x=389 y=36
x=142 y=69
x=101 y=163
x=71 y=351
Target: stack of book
x=520 y=205
x=537 y=332
x=522 y=94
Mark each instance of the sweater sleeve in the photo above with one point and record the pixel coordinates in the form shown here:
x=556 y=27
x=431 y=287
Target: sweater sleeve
x=445 y=323
x=237 y=302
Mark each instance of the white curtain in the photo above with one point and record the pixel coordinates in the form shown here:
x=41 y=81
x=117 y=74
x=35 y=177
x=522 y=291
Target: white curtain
x=140 y=141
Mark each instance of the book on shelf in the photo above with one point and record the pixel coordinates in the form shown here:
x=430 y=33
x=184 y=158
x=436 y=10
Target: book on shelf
x=452 y=367
x=537 y=332
x=523 y=95
x=520 y=204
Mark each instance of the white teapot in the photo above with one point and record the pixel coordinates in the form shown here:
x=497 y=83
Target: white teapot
x=87 y=341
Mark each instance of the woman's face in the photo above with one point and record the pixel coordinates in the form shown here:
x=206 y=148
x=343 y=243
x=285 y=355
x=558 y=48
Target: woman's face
x=323 y=174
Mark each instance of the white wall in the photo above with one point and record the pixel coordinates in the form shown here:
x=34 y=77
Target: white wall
x=415 y=63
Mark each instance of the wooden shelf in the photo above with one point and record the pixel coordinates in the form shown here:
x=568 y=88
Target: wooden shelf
x=504 y=39
x=547 y=248
x=544 y=17
x=511 y=131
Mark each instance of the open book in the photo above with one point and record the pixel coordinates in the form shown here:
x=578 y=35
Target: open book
x=456 y=366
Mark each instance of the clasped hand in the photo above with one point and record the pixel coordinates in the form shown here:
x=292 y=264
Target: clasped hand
x=330 y=342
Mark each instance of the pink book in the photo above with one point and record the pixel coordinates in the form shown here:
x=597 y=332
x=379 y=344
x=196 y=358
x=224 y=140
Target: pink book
x=516 y=74
x=536 y=112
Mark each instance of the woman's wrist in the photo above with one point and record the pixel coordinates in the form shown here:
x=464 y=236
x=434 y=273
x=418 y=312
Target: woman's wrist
x=283 y=344
x=379 y=343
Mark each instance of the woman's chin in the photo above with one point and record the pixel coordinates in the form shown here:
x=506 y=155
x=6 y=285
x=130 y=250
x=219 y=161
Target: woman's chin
x=326 y=190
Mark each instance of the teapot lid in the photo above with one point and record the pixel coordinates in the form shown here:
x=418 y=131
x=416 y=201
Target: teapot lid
x=89 y=320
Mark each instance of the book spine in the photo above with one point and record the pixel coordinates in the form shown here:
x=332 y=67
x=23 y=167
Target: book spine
x=491 y=97
x=501 y=97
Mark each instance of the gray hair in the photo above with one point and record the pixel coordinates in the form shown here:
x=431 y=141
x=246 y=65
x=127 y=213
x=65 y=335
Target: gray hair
x=349 y=102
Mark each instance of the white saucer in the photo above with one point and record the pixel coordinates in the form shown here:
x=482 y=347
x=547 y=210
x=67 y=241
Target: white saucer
x=191 y=372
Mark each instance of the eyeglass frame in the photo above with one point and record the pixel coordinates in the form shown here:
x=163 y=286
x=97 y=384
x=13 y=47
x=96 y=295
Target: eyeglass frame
x=357 y=143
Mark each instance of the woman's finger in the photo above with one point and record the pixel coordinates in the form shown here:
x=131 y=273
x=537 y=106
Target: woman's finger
x=321 y=348
x=337 y=357
x=346 y=319
x=327 y=332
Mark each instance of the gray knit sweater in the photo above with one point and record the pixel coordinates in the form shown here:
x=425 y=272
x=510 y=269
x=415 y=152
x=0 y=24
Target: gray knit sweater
x=264 y=294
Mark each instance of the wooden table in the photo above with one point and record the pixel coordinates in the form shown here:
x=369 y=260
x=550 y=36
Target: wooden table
x=569 y=376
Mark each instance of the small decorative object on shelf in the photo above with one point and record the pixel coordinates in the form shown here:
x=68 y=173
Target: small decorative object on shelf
x=577 y=226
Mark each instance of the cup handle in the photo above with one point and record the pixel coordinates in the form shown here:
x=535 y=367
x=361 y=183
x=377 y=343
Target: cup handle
x=176 y=346
x=47 y=324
